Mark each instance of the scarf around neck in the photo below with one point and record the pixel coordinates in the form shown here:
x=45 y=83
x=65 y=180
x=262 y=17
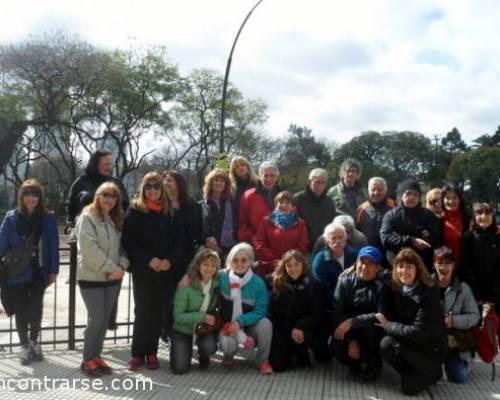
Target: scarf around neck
x=236 y=283
x=154 y=205
x=282 y=221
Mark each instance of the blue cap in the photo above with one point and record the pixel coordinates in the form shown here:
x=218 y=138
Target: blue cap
x=371 y=252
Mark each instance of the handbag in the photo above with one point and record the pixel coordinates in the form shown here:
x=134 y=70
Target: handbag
x=204 y=329
x=461 y=340
x=18 y=260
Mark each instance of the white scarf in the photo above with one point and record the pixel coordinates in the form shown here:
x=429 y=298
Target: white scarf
x=236 y=283
x=205 y=288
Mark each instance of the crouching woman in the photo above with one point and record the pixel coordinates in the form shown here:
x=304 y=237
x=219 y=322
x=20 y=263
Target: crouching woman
x=415 y=342
x=195 y=313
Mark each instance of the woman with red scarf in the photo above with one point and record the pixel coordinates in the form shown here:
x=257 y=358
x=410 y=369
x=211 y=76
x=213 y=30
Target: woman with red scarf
x=150 y=237
x=455 y=219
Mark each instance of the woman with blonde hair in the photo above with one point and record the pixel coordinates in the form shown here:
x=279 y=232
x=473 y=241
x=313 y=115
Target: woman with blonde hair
x=196 y=304
x=219 y=216
x=415 y=343
x=150 y=237
x=433 y=201
x=31 y=229
x=101 y=266
x=242 y=178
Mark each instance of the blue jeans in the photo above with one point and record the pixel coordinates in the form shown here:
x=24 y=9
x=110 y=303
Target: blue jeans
x=457 y=369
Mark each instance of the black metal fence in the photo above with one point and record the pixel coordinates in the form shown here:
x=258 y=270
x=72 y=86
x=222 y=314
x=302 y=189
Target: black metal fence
x=70 y=332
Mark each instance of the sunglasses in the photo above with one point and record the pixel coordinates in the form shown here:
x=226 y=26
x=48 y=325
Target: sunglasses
x=152 y=186
x=31 y=193
x=109 y=196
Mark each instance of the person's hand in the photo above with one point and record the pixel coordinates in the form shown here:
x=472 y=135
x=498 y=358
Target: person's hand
x=421 y=244
x=297 y=335
x=116 y=274
x=382 y=320
x=155 y=264
x=184 y=282
x=51 y=279
x=209 y=319
x=448 y=320
x=165 y=265
x=342 y=329
x=233 y=327
x=353 y=350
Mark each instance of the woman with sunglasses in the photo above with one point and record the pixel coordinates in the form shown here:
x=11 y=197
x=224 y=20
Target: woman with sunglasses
x=480 y=262
x=150 y=238
x=23 y=292
x=101 y=266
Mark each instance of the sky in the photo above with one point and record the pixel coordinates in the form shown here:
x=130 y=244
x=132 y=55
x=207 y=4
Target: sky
x=337 y=67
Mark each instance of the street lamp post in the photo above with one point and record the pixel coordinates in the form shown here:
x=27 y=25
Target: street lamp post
x=226 y=78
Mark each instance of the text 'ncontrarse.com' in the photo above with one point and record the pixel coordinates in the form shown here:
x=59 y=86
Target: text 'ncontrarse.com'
x=58 y=384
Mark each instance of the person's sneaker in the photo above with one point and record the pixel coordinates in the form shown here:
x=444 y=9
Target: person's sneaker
x=90 y=368
x=204 y=362
x=152 y=362
x=135 y=363
x=36 y=351
x=26 y=355
x=228 y=361
x=249 y=344
x=265 y=368
x=103 y=366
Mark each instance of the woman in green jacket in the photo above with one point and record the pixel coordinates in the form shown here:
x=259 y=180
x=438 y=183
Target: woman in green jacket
x=193 y=305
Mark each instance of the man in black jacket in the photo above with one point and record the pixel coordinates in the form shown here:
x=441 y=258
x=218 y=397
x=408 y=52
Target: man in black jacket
x=411 y=225
x=359 y=295
x=314 y=206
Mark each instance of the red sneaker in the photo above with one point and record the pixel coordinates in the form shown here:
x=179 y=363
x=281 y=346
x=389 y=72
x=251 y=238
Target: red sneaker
x=135 y=363
x=265 y=368
x=152 y=362
x=228 y=361
x=90 y=368
x=103 y=366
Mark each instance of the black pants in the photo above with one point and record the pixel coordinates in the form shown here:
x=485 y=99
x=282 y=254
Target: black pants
x=170 y=283
x=283 y=349
x=413 y=379
x=149 y=297
x=369 y=343
x=27 y=299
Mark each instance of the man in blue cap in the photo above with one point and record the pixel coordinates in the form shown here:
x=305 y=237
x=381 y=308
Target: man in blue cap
x=358 y=296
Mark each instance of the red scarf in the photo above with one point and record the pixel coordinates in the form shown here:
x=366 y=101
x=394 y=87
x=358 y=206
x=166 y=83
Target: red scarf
x=154 y=205
x=453 y=223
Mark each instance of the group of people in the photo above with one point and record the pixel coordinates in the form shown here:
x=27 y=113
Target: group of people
x=344 y=273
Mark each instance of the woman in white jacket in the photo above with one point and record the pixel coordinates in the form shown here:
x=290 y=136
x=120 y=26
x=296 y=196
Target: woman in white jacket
x=101 y=265
x=461 y=313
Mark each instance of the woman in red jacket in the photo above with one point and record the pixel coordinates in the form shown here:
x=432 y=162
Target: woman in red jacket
x=283 y=230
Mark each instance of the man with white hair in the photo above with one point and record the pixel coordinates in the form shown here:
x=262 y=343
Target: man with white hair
x=369 y=214
x=314 y=206
x=258 y=202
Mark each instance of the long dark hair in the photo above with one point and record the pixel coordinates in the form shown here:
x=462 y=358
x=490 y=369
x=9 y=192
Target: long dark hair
x=449 y=187
x=93 y=163
x=34 y=186
x=479 y=208
x=182 y=190
x=280 y=276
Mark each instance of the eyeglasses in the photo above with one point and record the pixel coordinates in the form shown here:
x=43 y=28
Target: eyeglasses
x=152 y=186
x=31 y=193
x=109 y=196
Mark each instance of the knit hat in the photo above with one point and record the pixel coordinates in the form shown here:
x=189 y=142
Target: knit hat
x=409 y=184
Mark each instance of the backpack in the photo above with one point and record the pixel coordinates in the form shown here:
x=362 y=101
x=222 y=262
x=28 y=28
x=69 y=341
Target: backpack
x=487 y=339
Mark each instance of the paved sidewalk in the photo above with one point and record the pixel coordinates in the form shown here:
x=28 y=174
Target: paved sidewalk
x=220 y=383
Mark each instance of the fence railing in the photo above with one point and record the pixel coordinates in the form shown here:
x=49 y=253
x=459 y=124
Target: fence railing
x=64 y=314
